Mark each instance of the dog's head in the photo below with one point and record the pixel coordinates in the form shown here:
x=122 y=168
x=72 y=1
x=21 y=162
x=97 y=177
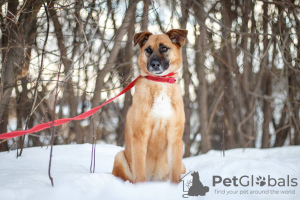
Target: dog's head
x=160 y=54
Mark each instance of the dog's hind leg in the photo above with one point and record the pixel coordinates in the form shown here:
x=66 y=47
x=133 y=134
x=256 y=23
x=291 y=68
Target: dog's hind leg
x=121 y=168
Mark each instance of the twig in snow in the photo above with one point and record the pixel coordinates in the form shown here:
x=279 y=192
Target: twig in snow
x=93 y=158
x=53 y=127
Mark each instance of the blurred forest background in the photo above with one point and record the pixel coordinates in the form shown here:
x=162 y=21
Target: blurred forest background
x=240 y=76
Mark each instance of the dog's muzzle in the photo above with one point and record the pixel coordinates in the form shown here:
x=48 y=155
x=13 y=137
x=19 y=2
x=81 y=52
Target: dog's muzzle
x=156 y=66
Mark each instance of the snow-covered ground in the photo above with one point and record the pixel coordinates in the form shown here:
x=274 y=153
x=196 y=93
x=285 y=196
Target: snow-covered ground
x=26 y=177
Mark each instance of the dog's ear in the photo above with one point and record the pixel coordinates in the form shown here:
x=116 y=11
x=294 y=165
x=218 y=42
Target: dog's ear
x=177 y=36
x=141 y=38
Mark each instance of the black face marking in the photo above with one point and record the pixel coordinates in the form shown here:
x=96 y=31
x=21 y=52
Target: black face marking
x=148 y=50
x=158 y=61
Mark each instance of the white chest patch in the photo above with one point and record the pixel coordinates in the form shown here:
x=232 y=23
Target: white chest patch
x=162 y=107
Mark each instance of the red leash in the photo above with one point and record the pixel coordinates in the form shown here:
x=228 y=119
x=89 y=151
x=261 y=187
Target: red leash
x=88 y=113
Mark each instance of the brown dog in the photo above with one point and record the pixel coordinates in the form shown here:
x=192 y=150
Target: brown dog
x=155 y=121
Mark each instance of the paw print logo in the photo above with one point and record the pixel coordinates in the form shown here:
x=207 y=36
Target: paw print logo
x=261 y=181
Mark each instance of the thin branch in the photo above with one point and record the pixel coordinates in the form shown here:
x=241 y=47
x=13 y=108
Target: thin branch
x=53 y=127
x=93 y=156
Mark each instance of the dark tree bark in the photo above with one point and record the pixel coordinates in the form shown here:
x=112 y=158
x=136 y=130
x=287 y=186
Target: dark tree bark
x=267 y=111
x=17 y=38
x=228 y=64
x=282 y=134
x=267 y=84
x=200 y=47
x=294 y=86
x=145 y=18
x=187 y=80
x=247 y=140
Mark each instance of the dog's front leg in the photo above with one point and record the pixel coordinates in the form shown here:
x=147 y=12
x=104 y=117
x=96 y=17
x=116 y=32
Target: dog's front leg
x=139 y=152
x=175 y=147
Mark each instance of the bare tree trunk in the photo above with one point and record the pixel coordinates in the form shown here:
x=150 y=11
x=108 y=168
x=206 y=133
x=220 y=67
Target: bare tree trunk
x=200 y=47
x=292 y=88
x=267 y=85
x=8 y=39
x=187 y=80
x=227 y=56
x=7 y=72
x=282 y=134
x=18 y=35
x=296 y=108
x=3 y=129
x=248 y=126
x=145 y=19
x=267 y=111
x=296 y=88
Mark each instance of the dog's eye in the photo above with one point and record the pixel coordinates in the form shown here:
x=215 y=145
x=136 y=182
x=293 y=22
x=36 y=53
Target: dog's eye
x=164 y=49
x=148 y=50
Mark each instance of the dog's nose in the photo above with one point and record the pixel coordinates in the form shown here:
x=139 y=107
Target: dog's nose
x=155 y=64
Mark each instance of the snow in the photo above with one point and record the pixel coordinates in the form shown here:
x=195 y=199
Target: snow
x=26 y=177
